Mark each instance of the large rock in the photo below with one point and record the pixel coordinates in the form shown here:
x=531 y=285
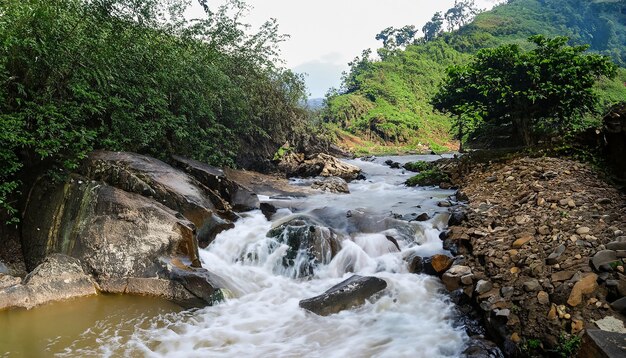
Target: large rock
x=127 y=242
x=345 y=295
x=155 y=179
x=114 y=233
x=58 y=277
x=603 y=344
x=297 y=165
x=309 y=243
x=240 y=197
x=331 y=184
x=585 y=286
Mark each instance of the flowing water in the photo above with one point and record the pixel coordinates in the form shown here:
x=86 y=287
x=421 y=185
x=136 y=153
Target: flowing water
x=411 y=318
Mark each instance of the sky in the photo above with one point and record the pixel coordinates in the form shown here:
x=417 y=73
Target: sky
x=327 y=34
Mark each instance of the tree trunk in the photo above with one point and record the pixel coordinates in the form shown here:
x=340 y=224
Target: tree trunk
x=522 y=127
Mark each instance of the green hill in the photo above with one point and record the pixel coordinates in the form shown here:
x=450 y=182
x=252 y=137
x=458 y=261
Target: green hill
x=388 y=100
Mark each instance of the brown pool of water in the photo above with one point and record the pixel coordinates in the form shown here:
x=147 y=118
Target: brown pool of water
x=70 y=326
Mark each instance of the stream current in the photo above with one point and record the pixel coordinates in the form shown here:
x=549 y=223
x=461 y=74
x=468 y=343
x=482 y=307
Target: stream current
x=410 y=318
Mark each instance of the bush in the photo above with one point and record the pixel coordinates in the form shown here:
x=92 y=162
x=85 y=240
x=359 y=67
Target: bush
x=429 y=177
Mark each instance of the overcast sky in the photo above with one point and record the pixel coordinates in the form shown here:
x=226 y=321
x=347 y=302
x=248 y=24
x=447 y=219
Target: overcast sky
x=327 y=34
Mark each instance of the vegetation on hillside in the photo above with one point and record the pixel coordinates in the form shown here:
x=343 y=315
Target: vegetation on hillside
x=389 y=100
x=77 y=75
x=534 y=94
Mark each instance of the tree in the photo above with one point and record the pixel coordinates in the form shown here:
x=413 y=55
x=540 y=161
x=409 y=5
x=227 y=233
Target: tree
x=462 y=13
x=539 y=92
x=393 y=38
x=434 y=27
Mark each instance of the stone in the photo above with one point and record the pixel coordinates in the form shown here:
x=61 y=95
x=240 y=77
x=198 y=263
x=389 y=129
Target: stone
x=58 y=277
x=583 y=230
x=552 y=314
x=521 y=241
x=584 y=286
x=611 y=324
x=544 y=230
x=603 y=257
x=297 y=165
x=507 y=292
x=345 y=295
x=532 y=285
x=452 y=278
x=456 y=218
x=555 y=255
x=332 y=185
x=619 y=305
x=483 y=286
x=467 y=279
x=602 y=344
x=491 y=179
x=422 y=217
x=618 y=244
x=543 y=298
x=516 y=338
x=415 y=264
x=571 y=203
x=441 y=263
x=577 y=326
x=8 y=281
x=309 y=243
x=478 y=347
x=560 y=276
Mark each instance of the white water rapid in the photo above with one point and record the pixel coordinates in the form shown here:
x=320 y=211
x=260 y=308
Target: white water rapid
x=411 y=318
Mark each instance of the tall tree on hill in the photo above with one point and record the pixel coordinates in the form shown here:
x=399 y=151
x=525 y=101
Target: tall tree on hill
x=462 y=13
x=434 y=27
x=539 y=92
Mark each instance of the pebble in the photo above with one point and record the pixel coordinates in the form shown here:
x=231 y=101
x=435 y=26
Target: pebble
x=543 y=297
x=583 y=230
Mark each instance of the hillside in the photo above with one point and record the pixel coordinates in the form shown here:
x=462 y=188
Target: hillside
x=388 y=100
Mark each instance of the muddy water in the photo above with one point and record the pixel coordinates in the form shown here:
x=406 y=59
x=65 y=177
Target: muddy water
x=72 y=325
x=411 y=318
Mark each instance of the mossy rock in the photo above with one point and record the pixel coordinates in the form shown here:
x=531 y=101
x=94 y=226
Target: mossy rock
x=418 y=166
x=433 y=176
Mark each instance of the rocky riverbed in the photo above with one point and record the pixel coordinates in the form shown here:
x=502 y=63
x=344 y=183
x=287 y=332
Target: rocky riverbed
x=541 y=255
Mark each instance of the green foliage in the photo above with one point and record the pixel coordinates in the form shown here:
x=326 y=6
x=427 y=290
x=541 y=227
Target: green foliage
x=395 y=92
x=76 y=75
x=433 y=176
x=418 y=166
x=543 y=91
x=568 y=345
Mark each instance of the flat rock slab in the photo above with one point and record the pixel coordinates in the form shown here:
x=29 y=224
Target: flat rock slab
x=603 y=344
x=602 y=258
x=345 y=295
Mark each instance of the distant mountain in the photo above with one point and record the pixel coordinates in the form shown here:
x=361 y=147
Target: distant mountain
x=389 y=100
x=315 y=103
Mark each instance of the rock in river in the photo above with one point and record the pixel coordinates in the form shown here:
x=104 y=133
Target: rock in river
x=345 y=295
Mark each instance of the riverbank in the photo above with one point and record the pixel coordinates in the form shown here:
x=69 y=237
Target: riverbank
x=543 y=238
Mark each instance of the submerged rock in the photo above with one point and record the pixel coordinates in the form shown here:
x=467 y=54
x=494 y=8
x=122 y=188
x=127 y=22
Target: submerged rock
x=58 y=277
x=345 y=295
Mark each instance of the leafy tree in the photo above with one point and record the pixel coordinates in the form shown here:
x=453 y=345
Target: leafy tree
x=434 y=27
x=77 y=75
x=542 y=91
x=462 y=13
x=393 y=38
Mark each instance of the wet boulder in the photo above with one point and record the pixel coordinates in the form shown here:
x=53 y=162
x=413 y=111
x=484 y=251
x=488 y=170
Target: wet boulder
x=57 y=278
x=309 y=243
x=350 y=293
x=298 y=165
x=240 y=197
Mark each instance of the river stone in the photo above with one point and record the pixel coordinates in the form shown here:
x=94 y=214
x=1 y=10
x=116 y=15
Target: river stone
x=297 y=165
x=439 y=264
x=584 y=286
x=562 y=276
x=239 y=196
x=602 y=258
x=58 y=277
x=478 y=347
x=553 y=258
x=583 y=230
x=602 y=344
x=618 y=244
x=532 y=285
x=483 y=286
x=619 y=305
x=310 y=243
x=521 y=241
x=331 y=184
x=345 y=295
x=452 y=278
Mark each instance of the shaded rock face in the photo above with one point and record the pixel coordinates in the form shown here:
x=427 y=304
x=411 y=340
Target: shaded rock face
x=237 y=195
x=297 y=165
x=310 y=244
x=58 y=277
x=348 y=294
x=114 y=233
x=615 y=136
x=598 y=343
